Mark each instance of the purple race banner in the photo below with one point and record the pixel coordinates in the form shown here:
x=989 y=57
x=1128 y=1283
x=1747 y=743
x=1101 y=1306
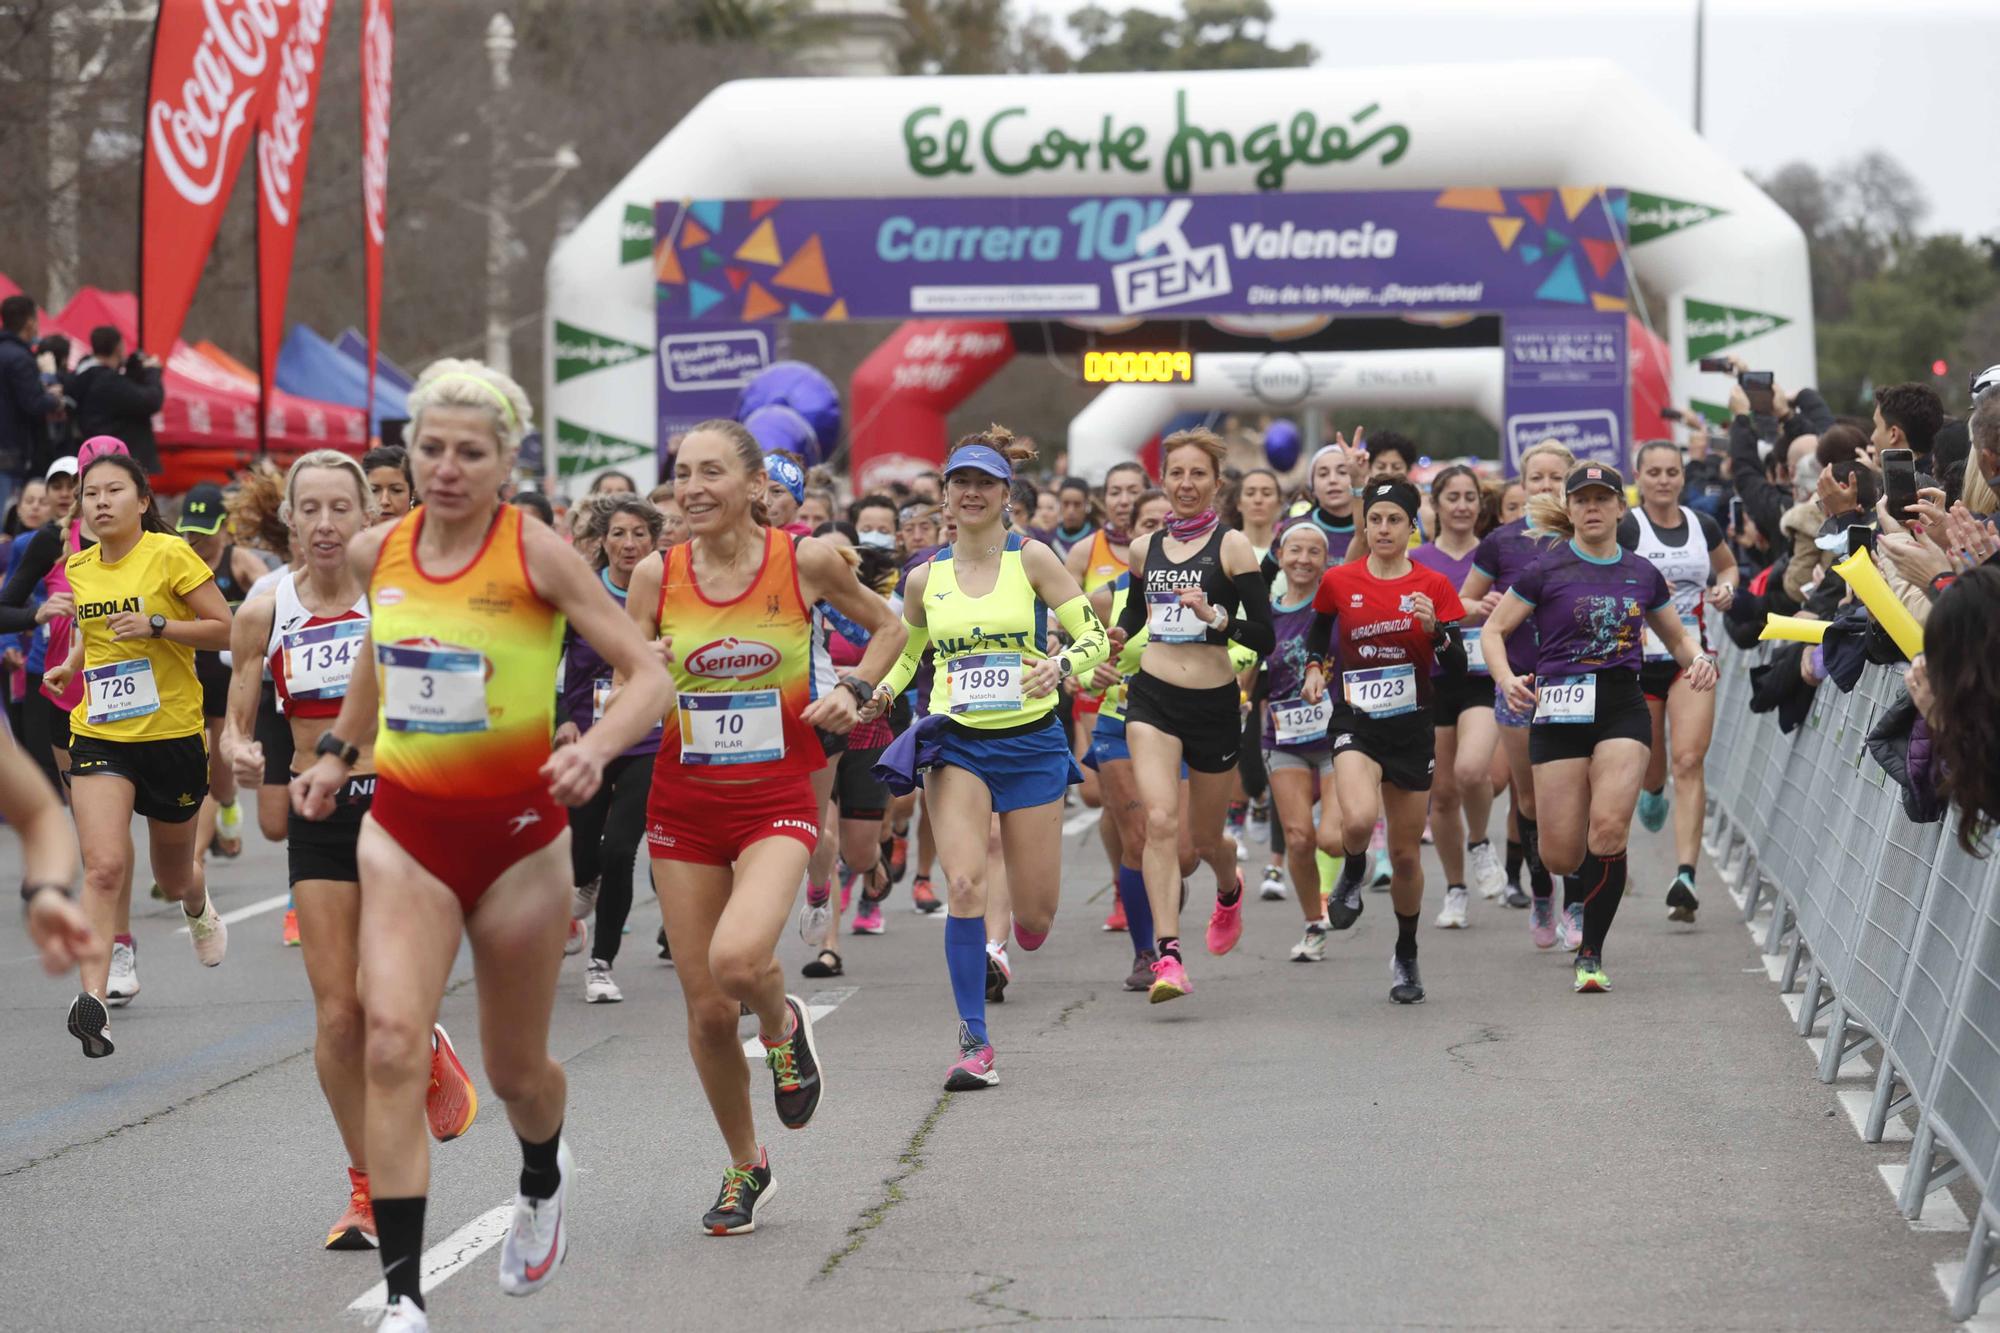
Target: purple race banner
x=1566 y=381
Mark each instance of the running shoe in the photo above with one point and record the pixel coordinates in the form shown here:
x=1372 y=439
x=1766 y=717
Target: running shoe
x=998 y=974
x=1383 y=872
x=123 y=985
x=899 y=856
x=228 y=841
x=1345 y=907
x=1405 y=986
x=207 y=931
x=1569 y=927
x=868 y=919
x=1681 y=902
x=290 y=934
x=579 y=935
x=90 y=1023
x=356 y=1228
x=1114 y=920
x=584 y=901
x=1311 y=947
x=846 y=891
x=1488 y=876
x=1515 y=896
x=1653 y=806
x=1452 y=915
x=795 y=1074
x=598 y=987
x=1142 y=971
x=923 y=898
x=452 y=1103
x=814 y=913
x=1225 y=923
x=403 y=1316
x=1590 y=978
x=536 y=1240
x=1272 y=890
x=826 y=965
x=743 y=1188
x=1542 y=923
x=1170 y=981
x=666 y=947
x=975 y=1067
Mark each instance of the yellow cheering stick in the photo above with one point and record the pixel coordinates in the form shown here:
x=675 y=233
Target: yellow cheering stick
x=1793 y=627
x=1866 y=580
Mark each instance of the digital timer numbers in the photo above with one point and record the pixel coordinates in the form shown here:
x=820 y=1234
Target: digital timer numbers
x=1138 y=367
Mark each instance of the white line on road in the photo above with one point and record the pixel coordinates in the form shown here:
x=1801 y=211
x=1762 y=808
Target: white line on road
x=1941 y=1211
x=1947 y=1279
x=257 y=908
x=1857 y=1104
x=819 y=1004
x=449 y=1255
x=1079 y=822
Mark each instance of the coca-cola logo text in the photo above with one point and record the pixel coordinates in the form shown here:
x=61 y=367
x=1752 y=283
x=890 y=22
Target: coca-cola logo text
x=284 y=136
x=193 y=139
x=377 y=57
x=732 y=659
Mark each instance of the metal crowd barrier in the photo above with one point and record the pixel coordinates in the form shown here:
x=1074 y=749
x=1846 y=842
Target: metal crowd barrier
x=1891 y=929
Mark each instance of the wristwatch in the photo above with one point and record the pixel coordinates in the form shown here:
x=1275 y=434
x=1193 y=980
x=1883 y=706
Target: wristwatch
x=863 y=693
x=159 y=624
x=1063 y=667
x=338 y=748
x=31 y=890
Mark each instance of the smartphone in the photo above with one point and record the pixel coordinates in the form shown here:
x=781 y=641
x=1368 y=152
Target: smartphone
x=1758 y=388
x=1860 y=537
x=1715 y=365
x=1899 y=483
x=1670 y=414
x=1735 y=513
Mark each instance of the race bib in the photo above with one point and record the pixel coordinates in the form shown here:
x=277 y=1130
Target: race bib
x=600 y=696
x=985 y=682
x=120 y=690
x=429 y=689
x=1475 y=650
x=319 y=660
x=743 y=727
x=1382 y=691
x=1167 y=621
x=1297 y=722
x=1656 y=649
x=1567 y=699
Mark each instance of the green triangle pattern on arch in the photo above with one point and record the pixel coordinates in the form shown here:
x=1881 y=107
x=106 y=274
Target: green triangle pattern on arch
x=580 y=449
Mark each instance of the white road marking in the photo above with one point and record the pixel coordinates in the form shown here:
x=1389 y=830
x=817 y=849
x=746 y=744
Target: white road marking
x=1077 y=823
x=1947 y=1280
x=1857 y=1103
x=1774 y=966
x=819 y=1004
x=257 y=908
x=1941 y=1211
x=1857 y=1066
x=449 y=1255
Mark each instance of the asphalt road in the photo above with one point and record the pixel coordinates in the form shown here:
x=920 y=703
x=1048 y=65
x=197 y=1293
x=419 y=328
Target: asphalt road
x=1283 y=1149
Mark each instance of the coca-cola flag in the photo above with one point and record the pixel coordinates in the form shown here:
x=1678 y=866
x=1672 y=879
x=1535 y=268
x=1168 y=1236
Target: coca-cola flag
x=378 y=45
x=211 y=63
x=284 y=135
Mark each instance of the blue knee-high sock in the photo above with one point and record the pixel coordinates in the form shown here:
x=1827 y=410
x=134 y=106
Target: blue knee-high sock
x=1138 y=909
x=965 y=959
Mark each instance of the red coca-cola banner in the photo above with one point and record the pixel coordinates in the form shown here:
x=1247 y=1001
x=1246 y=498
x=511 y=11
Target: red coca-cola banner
x=211 y=62
x=900 y=396
x=378 y=45
x=284 y=137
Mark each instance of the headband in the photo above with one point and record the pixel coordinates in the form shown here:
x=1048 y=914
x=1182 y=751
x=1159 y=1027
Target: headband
x=1399 y=493
x=1305 y=525
x=787 y=474
x=506 y=406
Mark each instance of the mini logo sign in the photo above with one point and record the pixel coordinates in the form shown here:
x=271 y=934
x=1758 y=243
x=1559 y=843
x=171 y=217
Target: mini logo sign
x=1282 y=379
x=732 y=659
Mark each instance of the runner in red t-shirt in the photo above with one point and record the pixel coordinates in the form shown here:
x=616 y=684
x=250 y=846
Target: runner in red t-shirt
x=1393 y=617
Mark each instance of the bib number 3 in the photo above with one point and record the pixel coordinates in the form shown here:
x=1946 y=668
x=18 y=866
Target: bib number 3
x=438 y=690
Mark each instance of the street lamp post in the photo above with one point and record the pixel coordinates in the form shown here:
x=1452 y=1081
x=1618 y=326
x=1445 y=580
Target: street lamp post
x=499 y=204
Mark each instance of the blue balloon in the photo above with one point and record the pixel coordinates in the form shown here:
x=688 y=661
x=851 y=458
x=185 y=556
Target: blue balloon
x=806 y=391
x=1281 y=444
x=778 y=427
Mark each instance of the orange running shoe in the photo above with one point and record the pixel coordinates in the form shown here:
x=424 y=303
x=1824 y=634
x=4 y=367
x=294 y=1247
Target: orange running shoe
x=356 y=1228
x=452 y=1103
x=291 y=927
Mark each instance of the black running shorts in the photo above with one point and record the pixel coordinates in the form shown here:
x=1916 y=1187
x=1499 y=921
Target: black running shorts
x=323 y=849
x=1207 y=721
x=1405 y=746
x=1621 y=712
x=169 y=778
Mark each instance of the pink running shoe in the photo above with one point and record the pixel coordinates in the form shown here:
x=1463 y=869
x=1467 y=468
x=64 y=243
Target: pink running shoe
x=975 y=1068
x=1170 y=981
x=1542 y=922
x=1225 y=924
x=1569 y=930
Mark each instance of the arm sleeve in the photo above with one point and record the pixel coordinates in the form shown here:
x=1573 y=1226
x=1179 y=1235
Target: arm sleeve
x=905 y=670
x=1088 y=644
x=1253 y=627
x=1319 y=638
x=1268 y=566
x=1132 y=615
x=16 y=615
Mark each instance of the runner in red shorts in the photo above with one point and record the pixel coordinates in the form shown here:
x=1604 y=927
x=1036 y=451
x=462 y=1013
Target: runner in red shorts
x=732 y=818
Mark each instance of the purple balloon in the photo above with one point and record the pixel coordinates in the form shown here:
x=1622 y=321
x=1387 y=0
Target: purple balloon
x=778 y=427
x=806 y=391
x=1281 y=444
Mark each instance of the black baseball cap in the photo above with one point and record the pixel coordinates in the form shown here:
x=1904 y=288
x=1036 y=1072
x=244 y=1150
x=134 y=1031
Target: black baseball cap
x=1594 y=474
x=201 y=510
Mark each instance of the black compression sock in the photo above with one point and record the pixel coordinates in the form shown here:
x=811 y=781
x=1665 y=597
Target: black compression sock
x=1227 y=897
x=1353 y=866
x=1687 y=872
x=540 y=1175
x=1406 y=935
x=1539 y=882
x=1170 y=945
x=1572 y=889
x=1601 y=881
x=399 y=1229
x=1515 y=857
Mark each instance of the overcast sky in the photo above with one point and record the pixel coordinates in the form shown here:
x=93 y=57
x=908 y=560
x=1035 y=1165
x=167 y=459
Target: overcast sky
x=1818 y=80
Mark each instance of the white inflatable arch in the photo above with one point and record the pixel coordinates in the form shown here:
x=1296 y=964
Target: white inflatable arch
x=1726 y=263
x=1284 y=382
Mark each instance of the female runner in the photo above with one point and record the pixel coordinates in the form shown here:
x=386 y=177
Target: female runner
x=1197 y=588
x=465 y=836
x=1462 y=795
x=733 y=817
x=1591 y=602
x=1699 y=574
x=1000 y=744
x=388 y=470
x=605 y=832
x=236 y=566
x=1502 y=556
x=305 y=632
x=1097 y=563
x=1394 y=616
x=1259 y=499
x=1297 y=751
x=145 y=603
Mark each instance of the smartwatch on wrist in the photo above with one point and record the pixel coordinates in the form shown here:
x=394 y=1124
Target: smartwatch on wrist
x=859 y=688
x=338 y=748
x=159 y=624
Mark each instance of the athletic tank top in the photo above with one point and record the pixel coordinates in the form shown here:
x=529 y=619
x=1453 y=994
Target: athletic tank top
x=232 y=592
x=142 y=689
x=310 y=657
x=1685 y=568
x=1104 y=566
x=465 y=665
x=744 y=671
x=1165 y=578
x=985 y=645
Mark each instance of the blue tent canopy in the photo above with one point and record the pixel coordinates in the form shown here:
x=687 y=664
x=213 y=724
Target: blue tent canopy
x=310 y=366
x=354 y=346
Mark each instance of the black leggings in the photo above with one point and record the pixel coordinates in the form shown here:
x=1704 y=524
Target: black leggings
x=604 y=845
x=43 y=724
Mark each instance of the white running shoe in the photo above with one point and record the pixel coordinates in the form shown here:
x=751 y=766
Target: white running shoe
x=1311 y=948
x=1452 y=916
x=579 y=935
x=584 y=901
x=210 y=935
x=1488 y=876
x=1569 y=927
x=598 y=987
x=403 y=1317
x=1273 y=888
x=537 y=1240
x=124 y=983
